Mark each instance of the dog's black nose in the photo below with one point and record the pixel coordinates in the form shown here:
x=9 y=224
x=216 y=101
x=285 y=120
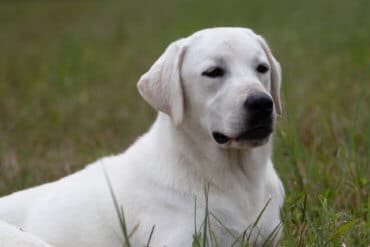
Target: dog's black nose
x=259 y=103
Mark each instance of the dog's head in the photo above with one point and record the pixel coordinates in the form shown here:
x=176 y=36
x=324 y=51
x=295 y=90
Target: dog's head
x=224 y=81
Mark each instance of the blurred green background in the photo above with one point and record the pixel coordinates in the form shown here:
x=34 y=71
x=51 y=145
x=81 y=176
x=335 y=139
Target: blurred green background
x=68 y=73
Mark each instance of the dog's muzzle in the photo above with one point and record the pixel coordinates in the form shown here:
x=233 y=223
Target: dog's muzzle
x=259 y=122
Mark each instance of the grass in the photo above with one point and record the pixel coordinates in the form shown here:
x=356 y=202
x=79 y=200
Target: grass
x=68 y=71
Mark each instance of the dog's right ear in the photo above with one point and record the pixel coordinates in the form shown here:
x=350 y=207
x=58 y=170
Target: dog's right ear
x=161 y=85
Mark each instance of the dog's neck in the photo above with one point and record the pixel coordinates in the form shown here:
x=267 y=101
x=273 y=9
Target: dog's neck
x=198 y=154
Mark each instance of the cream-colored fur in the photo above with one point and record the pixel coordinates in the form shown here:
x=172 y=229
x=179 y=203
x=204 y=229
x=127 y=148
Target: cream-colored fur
x=158 y=178
x=11 y=236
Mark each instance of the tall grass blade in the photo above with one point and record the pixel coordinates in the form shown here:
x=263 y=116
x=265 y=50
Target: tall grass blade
x=150 y=236
x=118 y=210
x=258 y=219
x=223 y=226
x=242 y=235
x=195 y=216
x=205 y=241
x=270 y=238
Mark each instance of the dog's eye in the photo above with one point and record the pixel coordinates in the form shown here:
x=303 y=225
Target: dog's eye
x=214 y=72
x=262 y=68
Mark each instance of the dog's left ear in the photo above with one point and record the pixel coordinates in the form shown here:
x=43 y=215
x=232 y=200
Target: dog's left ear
x=275 y=75
x=161 y=85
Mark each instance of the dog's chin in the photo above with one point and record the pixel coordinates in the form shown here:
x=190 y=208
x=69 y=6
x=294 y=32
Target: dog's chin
x=250 y=138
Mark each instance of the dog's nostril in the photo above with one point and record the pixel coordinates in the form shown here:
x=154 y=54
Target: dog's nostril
x=259 y=103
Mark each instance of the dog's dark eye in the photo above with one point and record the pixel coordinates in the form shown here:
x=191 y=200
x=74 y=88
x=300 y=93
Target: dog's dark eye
x=214 y=72
x=262 y=68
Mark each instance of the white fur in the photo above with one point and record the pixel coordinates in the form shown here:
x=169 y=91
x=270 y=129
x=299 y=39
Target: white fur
x=10 y=236
x=158 y=178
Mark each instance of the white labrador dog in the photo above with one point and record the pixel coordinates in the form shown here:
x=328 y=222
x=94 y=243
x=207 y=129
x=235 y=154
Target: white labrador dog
x=217 y=93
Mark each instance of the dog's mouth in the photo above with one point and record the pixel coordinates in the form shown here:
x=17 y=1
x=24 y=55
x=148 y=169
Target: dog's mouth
x=250 y=135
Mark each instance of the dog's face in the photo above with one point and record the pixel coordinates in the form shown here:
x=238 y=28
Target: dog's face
x=225 y=81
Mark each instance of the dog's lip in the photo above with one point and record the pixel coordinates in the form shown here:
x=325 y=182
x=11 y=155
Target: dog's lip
x=255 y=133
x=251 y=134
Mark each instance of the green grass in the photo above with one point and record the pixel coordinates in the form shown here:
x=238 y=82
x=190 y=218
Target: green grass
x=68 y=73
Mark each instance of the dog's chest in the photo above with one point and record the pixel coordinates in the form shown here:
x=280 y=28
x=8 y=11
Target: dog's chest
x=181 y=215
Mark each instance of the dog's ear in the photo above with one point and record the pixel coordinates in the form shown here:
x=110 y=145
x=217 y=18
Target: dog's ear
x=161 y=85
x=275 y=75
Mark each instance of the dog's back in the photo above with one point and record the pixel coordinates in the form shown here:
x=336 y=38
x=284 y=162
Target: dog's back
x=15 y=207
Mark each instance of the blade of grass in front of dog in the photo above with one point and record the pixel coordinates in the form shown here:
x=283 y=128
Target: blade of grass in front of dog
x=270 y=238
x=243 y=239
x=242 y=235
x=276 y=231
x=196 y=235
x=124 y=229
x=119 y=212
x=251 y=227
x=195 y=216
x=196 y=241
x=216 y=241
x=205 y=243
x=261 y=213
x=150 y=236
x=258 y=219
x=133 y=229
x=223 y=226
x=210 y=231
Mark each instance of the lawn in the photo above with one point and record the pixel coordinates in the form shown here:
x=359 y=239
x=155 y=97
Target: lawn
x=68 y=73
